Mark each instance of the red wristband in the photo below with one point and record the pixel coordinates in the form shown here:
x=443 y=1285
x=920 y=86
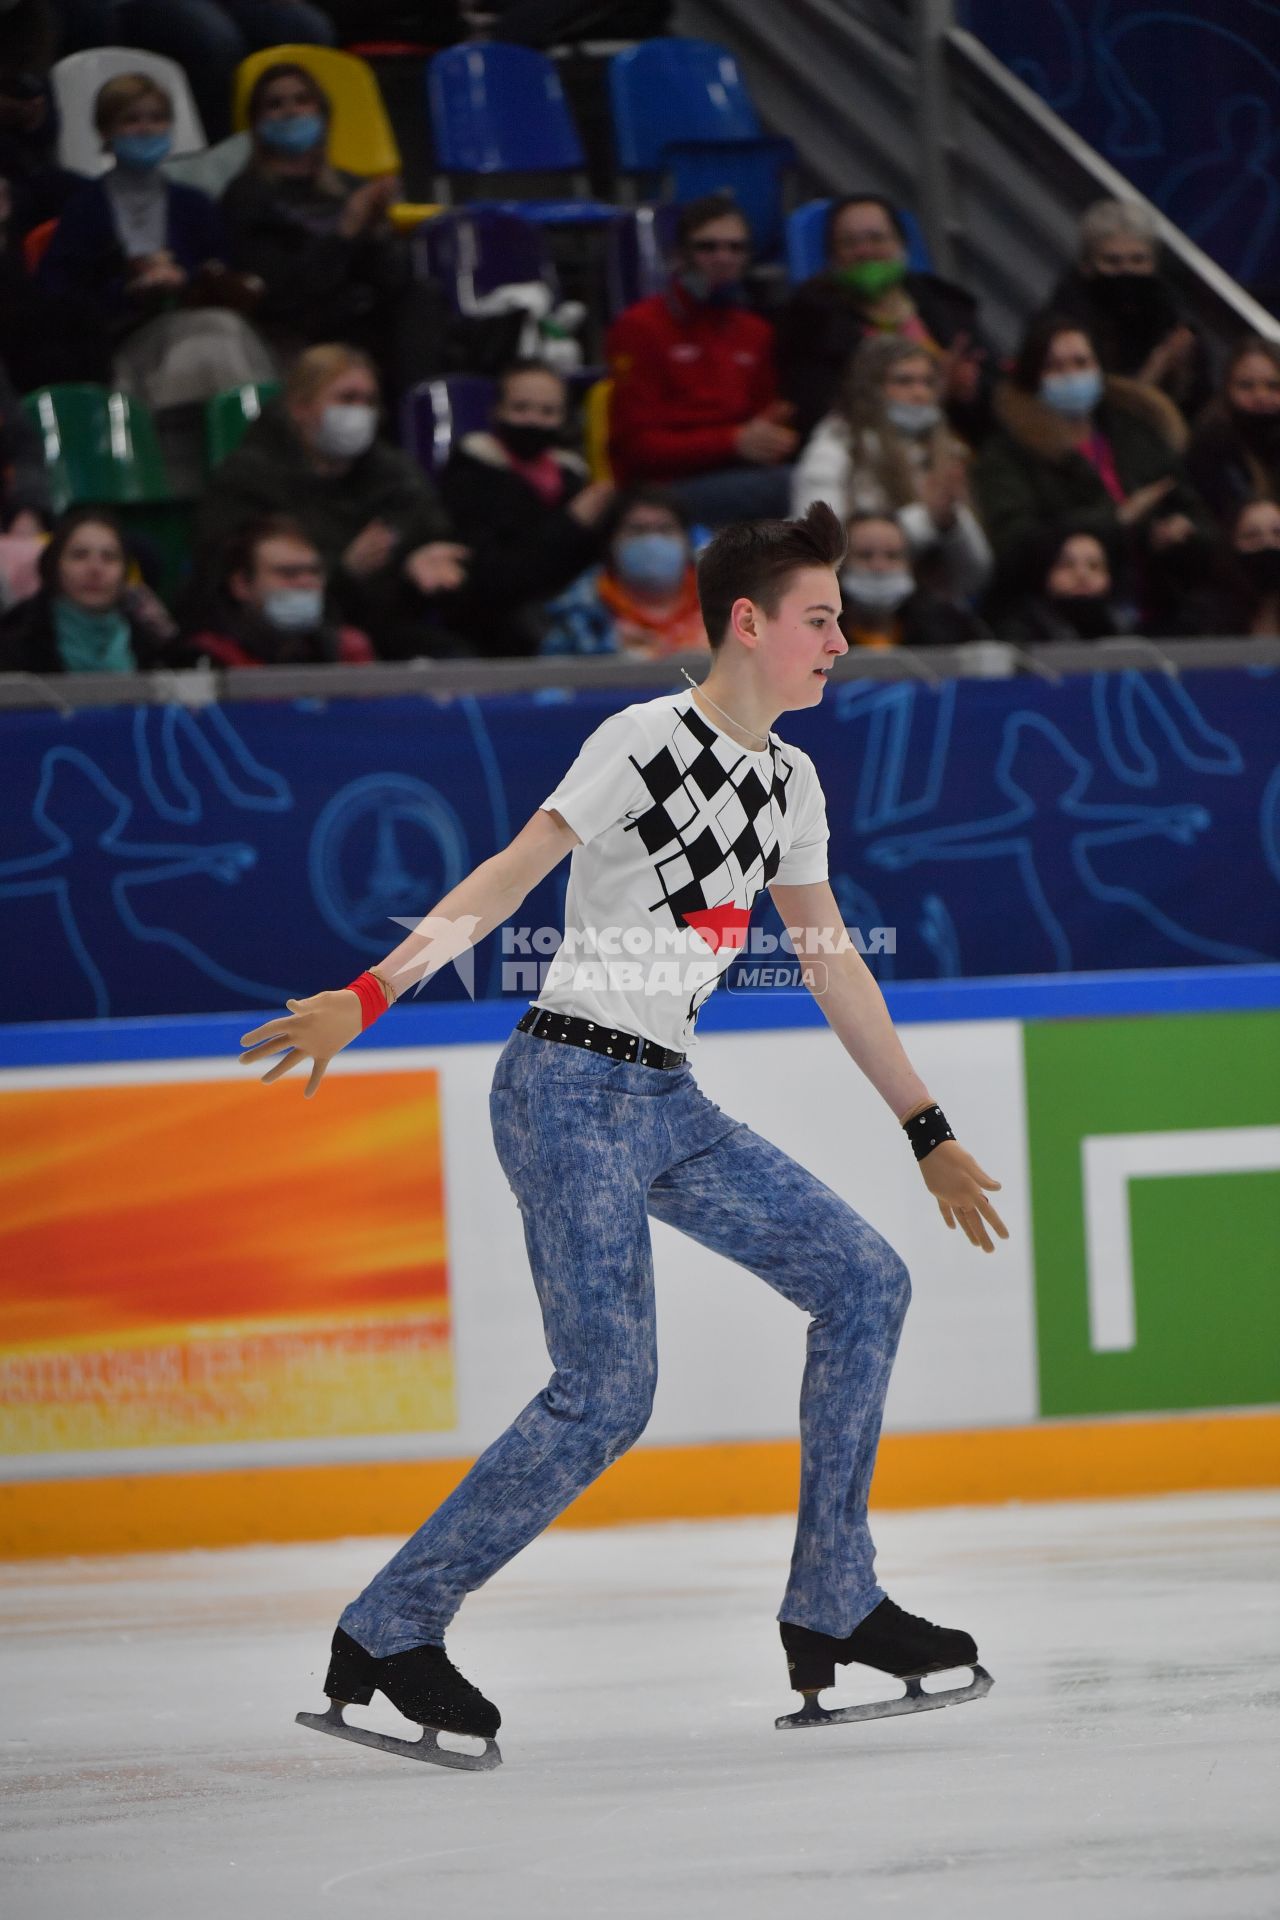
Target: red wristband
x=373 y=1001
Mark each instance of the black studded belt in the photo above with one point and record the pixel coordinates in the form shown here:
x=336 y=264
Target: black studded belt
x=589 y=1033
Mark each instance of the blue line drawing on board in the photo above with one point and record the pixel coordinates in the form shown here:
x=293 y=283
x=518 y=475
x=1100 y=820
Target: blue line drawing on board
x=498 y=808
x=938 y=931
x=38 y=873
x=1133 y=130
x=1037 y=70
x=1245 y=162
x=1269 y=823
x=1047 y=789
x=216 y=743
x=891 y=713
x=861 y=909
x=385 y=847
x=1122 y=701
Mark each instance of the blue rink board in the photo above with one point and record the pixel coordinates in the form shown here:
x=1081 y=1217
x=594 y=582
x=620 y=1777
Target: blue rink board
x=454 y=1023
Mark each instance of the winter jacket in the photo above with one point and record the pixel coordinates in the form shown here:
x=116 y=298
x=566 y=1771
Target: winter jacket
x=237 y=637
x=1125 y=330
x=1029 y=476
x=686 y=376
x=270 y=473
x=824 y=323
x=86 y=265
x=1225 y=472
x=826 y=471
x=29 y=642
x=522 y=550
x=925 y=620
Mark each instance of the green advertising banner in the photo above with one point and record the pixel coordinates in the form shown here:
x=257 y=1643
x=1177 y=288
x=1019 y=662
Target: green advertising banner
x=1154 y=1149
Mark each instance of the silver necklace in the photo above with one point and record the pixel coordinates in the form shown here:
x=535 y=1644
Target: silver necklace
x=720 y=710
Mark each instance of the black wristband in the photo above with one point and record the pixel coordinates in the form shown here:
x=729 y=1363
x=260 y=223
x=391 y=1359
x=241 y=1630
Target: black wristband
x=927 y=1130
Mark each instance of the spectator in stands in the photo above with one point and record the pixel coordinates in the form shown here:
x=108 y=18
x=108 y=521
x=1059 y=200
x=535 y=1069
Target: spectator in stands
x=87 y=617
x=526 y=508
x=865 y=290
x=1118 y=295
x=24 y=485
x=884 y=604
x=137 y=262
x=376 y=521
x=1235 y=452
x=888 y=448
x=208 y=38
x=695 y=402
x=269 y=609
x=320 y=241
x=28 y=122
x=643 y=601
x=1077 y=449
x=1072 y=591
x=1255 y=552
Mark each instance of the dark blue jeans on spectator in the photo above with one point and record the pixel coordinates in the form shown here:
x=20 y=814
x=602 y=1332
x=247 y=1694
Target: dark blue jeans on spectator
x=208 y=38
x=733 y=493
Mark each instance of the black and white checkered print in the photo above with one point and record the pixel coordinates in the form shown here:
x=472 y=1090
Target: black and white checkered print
x=712 y=828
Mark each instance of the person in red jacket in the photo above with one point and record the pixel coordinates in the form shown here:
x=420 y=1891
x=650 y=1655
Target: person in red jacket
x=694 y=388
x=269 y=607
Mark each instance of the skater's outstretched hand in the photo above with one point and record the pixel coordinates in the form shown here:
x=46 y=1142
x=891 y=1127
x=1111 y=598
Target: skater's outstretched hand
x=314 y=1030
x=960 y=1188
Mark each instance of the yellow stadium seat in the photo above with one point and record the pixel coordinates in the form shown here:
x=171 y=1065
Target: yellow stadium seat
x=595 y=417
x=360 y=136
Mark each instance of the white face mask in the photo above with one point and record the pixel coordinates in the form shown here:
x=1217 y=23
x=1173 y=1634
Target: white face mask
x=879 y=592
x=912 y=416
x=345 y=432
x=294 y=609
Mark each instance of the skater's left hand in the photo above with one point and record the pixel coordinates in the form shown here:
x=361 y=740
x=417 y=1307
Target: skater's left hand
x=960 y=1188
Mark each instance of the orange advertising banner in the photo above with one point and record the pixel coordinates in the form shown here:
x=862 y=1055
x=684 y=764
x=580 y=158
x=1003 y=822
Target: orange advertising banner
x=200 y=1261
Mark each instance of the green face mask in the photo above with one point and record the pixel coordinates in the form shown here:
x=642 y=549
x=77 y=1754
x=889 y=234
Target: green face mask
x=871 y=278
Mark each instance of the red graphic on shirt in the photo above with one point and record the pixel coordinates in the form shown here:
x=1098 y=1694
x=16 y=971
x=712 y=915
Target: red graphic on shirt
x=721 y=927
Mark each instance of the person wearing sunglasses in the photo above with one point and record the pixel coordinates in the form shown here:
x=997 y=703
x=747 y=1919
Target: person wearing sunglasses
x=695 y=404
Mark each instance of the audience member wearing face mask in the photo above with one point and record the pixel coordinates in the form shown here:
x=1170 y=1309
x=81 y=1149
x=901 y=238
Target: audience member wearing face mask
x=1072 y=592
x=378 y=524
x=695 y=405
x=867 y=291
x=320 y=240
x=1118 y=294
x=1234 y=454
x=138 y=266
x=1255 y=559
x=1076 y=447
x=883 y=604
x=889 y=449
x=644 y=600
x=271 y=606
x=88 y=616
x=524 y=504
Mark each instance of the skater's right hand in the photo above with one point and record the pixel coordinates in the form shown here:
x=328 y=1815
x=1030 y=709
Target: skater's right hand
x=315 y=1030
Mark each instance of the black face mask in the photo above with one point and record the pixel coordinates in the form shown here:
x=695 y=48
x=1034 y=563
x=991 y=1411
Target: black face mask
x=1261 y=569
x=1259 y=431
x=1142 y=298
x=525 y=442
x=1091 y=615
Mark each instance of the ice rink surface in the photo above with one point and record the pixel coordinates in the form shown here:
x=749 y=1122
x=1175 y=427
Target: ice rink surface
x=1126 y=1763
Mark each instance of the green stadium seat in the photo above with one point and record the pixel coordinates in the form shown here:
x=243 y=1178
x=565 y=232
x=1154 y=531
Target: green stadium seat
x=230 y=414
x=100 y=448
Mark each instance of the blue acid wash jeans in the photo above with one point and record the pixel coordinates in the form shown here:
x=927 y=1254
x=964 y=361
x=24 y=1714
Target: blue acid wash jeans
x=591 y=1147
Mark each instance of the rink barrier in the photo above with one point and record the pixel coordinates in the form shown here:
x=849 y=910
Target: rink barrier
x=1051 y=1460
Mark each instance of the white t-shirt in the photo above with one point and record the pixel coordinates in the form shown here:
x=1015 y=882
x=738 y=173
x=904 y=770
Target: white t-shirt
x=681 y=829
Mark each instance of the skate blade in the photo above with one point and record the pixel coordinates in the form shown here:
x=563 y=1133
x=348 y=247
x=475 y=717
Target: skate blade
x=427 y=1748
x=914 y=1700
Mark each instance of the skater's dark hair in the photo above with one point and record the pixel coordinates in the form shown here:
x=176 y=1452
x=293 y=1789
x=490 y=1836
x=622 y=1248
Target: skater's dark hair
x=756 y=559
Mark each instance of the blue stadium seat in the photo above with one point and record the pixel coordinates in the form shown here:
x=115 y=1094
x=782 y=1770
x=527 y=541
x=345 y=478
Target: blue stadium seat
x=807 y=238
x=437 y=412
x=682 y=113
x=498 y=109
x=668 y=89
x=473 y=250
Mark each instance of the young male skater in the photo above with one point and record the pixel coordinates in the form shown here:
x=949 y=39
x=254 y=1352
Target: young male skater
x=678 y=812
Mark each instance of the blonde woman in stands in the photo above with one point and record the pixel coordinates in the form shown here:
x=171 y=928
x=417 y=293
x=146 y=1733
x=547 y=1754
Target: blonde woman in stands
x=887 y=449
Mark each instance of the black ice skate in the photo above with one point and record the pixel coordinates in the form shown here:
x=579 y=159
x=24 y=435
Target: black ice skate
x=422 y=1684
x=891 y=1641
